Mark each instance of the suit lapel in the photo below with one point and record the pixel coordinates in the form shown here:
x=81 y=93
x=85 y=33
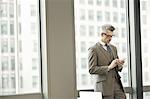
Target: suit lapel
x=104 y=52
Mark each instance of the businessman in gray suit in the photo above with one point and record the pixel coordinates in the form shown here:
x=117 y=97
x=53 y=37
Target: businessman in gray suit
x=104 y=64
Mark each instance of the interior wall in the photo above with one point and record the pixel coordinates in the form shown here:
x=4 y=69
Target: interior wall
x=60 y=49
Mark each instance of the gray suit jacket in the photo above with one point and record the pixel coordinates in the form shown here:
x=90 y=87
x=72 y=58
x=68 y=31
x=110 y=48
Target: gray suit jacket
x=98 y=61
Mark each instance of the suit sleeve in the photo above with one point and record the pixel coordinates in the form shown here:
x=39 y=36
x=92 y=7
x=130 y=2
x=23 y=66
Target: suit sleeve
x=119 y=67
x=94 y=68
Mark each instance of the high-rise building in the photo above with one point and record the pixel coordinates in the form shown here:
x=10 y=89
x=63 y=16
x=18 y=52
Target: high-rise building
x=19 y=47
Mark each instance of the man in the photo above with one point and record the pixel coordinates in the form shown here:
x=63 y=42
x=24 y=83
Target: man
x=104 y=64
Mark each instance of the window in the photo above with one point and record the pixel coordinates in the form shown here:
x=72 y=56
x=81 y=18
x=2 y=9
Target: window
x=143 y=5
x=83 y=47
x=82 y=14
x=4 y=45
x=115 y=17
x=105 y=12
x=91 y=15
x=99 y=2
x=82 y=30
x=82 y=1
x=33 y=10
x=145 y=36
x=11 y=10
x=34 y=64
x=122 y=17
x=91 y=30
x=99 y=16
x=90 y=2
x=11 y=28
x=122 y=3
x=114 y=2
x=107 y=16
x=12 y=62
x=34 y=81
x=107 y=2
x=12 y=45
x=3 y=9
x=33 y=28
x=83 y=63
x=4 y=63
x=3 y=27
x=19 y=44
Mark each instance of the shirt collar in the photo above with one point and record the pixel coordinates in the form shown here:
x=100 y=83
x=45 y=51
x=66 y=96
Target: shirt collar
x=102 y=43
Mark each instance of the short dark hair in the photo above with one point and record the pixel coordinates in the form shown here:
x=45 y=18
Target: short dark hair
x=107 y=27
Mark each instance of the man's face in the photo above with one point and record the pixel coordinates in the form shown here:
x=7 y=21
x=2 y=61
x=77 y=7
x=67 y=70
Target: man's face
x=106 y=37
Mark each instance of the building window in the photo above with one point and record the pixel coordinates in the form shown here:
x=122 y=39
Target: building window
x=123 y=18
x=123 y=33
x=19 y=27
x=33 y=10
x=12 y=45
x=115 y=17
x=82 y=30
x=3 y=27
x=83 y=47
x=82 y=1
x=114 y=2
x=144 y=19
x=99 y=15
x=83 y=63
x=20 y=64
x=82 y=14
x=4 y=63
x=107 y=16
x=11 y=28
x=99 y=2
x=106 y=2
x=4 y=45
x=122 y=4
x=33 y=28
x=84 y=79
x=91 y=30
x=90 y=2
x=91 y=15
x=34 y=64
x=143 y=5
x=35 y=46
x=11 y=10
x=21 y=82
x=34 y=81
x=5 y=84
x=3 y=9
x=13 y=82
x=12 y=61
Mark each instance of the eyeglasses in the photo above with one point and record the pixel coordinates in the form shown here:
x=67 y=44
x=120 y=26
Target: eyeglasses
x=108 y=35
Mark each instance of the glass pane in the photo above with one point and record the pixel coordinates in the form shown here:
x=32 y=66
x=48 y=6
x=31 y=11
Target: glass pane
x=146 y=95
x=145 y=36
x=19 y=47
x=88 y=21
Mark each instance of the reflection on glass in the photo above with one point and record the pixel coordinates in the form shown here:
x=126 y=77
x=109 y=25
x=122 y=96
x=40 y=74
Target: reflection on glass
x=93 y=16
x=19 y=45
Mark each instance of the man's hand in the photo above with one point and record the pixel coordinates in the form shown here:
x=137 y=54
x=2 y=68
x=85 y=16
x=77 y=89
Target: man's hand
x=120 y=62
x=113 y=64
x=116 y=62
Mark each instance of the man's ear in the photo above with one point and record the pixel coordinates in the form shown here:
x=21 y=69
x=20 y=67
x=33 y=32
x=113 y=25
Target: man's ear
x=102 y=34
